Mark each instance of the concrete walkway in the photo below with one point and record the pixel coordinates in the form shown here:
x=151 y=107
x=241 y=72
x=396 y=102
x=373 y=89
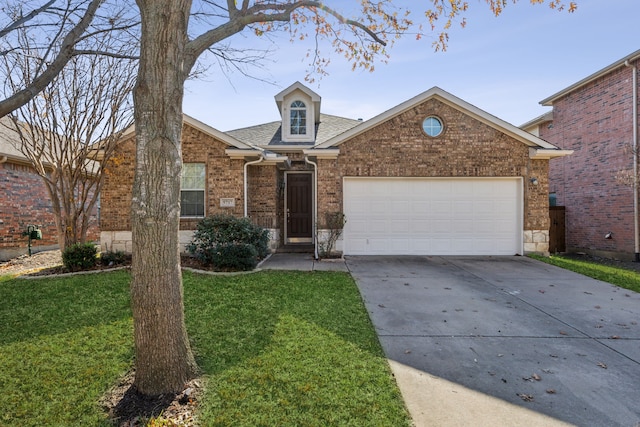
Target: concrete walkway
x=301 y=262
x=499 y=341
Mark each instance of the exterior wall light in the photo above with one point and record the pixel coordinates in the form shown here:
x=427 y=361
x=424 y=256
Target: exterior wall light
x=534 y=181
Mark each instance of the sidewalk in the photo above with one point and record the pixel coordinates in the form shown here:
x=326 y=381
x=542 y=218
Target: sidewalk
x=301 y=262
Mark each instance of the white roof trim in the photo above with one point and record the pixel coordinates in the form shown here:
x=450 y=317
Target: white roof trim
x=543 y=118
x=297 y=85
x=205 y=128
x=544 y=154
x=325 y=153
x=550 y=100
x=452 y=101
x=236 y=153
x=315 y=98
x=269 y=157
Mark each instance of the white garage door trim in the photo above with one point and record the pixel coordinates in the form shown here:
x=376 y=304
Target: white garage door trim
x=433 y=216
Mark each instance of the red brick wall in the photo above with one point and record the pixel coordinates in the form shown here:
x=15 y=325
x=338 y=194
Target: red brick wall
x=25 y=201
x=596 y=122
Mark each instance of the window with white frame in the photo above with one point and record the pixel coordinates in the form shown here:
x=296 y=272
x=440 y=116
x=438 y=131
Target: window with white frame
x=298 y=122
x=192 y=186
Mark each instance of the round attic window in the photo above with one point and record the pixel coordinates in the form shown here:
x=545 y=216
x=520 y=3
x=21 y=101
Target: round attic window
x=432 y=126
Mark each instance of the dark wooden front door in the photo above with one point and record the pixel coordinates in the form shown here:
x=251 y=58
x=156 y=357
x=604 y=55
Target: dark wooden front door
x=557 y=242
x=299 y=209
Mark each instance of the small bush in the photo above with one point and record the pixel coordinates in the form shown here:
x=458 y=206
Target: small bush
x=113 y=258
x=235 y=257
x=227 y=242
x=80 y=256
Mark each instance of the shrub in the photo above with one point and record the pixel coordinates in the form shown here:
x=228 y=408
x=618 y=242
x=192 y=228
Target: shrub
x=224 y=241
x=235 y=256
x=332 y=230
x=80 y=256
x=113 y=258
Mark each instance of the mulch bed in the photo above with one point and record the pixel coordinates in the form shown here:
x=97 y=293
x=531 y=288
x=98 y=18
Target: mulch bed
x=127 y=407
x=185 y=261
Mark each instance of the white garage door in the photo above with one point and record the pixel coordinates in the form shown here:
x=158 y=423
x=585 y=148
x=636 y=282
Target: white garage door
x=433 y=216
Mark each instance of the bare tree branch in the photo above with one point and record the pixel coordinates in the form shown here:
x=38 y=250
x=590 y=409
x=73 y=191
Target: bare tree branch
x=66 y=52
x=23 y=20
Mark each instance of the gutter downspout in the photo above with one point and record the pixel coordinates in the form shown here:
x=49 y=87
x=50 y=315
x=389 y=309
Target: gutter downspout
x=315 y=206
x=246 y=183
x=636 y=227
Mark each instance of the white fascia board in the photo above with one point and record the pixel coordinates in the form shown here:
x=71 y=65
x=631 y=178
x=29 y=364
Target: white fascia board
x=269 y=158
x=325 y=153
x=545 y=154
x=285 y=148
x=544 y=118
x=239 y=154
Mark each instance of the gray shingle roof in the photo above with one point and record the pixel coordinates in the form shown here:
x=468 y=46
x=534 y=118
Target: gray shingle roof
x=271 y=133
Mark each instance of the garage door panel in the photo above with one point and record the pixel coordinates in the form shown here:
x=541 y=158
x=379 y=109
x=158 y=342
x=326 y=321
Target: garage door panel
x=463 y=216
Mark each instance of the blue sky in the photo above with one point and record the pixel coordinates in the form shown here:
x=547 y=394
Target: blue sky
x=504 y=65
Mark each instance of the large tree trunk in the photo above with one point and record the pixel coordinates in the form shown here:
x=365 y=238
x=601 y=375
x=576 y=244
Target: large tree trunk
x=164 y=361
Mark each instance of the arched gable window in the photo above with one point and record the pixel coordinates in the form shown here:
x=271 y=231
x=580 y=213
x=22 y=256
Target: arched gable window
x=298 y=123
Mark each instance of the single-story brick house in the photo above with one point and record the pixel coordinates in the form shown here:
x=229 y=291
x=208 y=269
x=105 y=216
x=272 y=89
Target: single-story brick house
x=597 y=119
x=433 y=175
x=24 y=201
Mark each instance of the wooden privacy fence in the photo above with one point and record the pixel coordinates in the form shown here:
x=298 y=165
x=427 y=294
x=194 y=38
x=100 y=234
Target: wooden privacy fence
x=557 y=231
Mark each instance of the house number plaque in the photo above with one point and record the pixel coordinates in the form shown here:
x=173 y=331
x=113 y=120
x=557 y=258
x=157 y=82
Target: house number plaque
x=228 y=203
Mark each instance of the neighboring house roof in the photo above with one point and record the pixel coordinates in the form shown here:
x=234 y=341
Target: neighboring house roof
x=270 y=134
x=542 y=148
x=9 y=141
x=564 y=92
x=533 y=124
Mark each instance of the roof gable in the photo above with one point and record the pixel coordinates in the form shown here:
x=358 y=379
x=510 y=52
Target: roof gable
x=204 y=128
x=297 y=86
x=452 y=101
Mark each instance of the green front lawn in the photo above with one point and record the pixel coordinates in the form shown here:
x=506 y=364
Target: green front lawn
x=276 y=348
x=628 y=279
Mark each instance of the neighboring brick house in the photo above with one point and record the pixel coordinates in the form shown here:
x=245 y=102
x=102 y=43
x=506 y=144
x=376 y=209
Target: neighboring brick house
x=596 y=118
x=433 y=175
x=24 y=201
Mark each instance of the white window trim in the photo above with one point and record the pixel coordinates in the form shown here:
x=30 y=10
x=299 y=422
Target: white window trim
x=204 y=192
x=287 y=136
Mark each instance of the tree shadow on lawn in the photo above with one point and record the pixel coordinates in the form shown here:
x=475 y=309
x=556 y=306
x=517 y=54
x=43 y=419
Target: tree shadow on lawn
x=232 y=322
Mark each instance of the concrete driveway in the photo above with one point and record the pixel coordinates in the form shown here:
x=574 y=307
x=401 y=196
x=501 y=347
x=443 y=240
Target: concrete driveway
x=469 y=336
